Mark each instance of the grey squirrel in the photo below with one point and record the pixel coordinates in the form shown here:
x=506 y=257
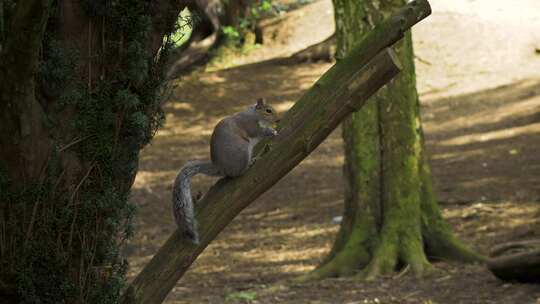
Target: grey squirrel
x=231 y=154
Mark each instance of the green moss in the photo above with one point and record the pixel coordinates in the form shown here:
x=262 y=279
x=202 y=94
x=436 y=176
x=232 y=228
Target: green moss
x=441 y=243
x=352 y=254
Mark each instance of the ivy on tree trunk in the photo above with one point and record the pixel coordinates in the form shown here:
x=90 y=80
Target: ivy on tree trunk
x=80 y=85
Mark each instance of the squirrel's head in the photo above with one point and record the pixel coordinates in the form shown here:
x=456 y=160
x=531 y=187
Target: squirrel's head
x=266 y=112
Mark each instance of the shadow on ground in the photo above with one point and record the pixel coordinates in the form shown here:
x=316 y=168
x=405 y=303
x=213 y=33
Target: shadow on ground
x=483 y=148
x=485 y=145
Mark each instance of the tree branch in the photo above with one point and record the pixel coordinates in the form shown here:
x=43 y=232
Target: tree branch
x=339 y=92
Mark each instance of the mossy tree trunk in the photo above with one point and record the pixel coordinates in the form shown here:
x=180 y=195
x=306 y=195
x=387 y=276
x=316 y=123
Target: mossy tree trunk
x=80 y=89
x=391 y=215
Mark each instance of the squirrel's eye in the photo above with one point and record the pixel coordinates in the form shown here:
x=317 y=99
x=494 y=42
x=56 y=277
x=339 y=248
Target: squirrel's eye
x=268 y=111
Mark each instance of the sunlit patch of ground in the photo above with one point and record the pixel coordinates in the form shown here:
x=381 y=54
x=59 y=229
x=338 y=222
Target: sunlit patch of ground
x=479 y=81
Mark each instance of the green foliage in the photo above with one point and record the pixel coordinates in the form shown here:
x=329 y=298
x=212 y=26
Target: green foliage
x=59 y=67
x=236 y=34
x=184 y=27
x=242 y=296
x=231 y=33
x=64 y=235
x=35 y=265
x=261 y=8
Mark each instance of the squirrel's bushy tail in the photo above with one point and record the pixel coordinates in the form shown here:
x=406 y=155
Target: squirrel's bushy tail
x=182 y=202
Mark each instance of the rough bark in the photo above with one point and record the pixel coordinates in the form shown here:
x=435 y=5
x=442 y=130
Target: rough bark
x=21 y=114
x=21 y=130
x=391 y=213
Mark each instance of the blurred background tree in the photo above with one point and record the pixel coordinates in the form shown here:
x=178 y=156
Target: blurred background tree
x=218 y=26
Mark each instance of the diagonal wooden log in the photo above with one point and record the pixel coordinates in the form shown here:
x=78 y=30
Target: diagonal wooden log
x=340 y=91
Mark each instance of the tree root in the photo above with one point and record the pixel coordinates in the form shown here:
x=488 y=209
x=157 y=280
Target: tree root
x=399 y=247
x=521 y=267
x=501 y=249
x=352 y=257
x=384 y=260
x=441 y=244
x=408 y=250
x=413 y=254
x=516 y=261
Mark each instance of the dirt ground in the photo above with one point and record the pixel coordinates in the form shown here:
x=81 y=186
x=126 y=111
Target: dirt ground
x=478 y=66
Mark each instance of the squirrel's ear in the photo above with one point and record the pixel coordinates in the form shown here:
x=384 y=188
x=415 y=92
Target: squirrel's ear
x=260 y=102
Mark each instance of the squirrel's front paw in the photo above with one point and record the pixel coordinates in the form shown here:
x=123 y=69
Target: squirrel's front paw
x=271 y=132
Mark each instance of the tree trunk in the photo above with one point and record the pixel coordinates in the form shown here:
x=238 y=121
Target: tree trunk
x=79 y=97
x=391 y=216
x=302 y=129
